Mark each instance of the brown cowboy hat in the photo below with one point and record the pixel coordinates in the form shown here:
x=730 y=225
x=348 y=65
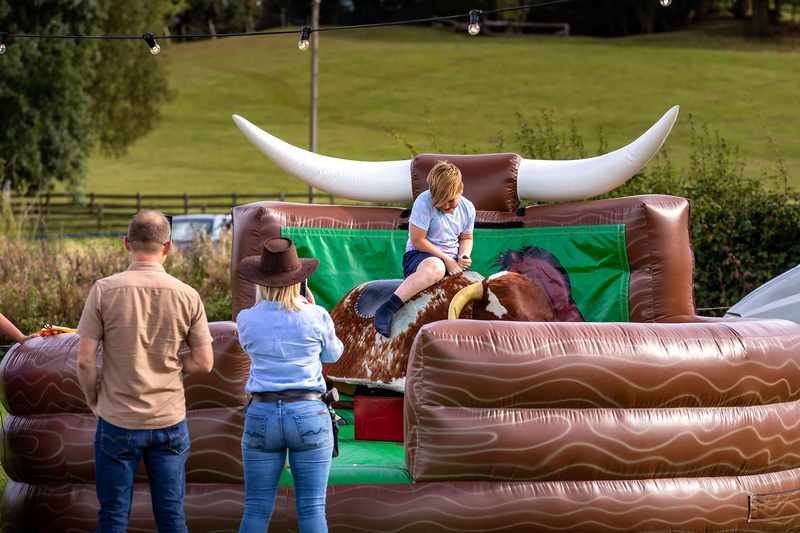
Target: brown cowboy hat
x=277 y=266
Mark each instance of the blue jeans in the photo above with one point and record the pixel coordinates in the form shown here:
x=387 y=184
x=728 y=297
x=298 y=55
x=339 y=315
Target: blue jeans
x=117 y=453
x=304 y=428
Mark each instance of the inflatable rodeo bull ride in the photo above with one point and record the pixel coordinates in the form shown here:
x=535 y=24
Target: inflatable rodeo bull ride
x=573 y=388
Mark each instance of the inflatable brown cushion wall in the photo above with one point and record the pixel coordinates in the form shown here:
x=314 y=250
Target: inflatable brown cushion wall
x=48 y=435
x=621 y=426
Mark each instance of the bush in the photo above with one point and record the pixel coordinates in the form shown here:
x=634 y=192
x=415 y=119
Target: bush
x=744 y=228
x=47 y=281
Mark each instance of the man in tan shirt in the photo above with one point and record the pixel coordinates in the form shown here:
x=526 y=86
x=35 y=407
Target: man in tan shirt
x=142 y=316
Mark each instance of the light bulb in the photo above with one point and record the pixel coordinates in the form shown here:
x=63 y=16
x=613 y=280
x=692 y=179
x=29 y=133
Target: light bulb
x=666 y=3
x=150 y=39
x=2 y=48
x=305 y=38
x=474 y=27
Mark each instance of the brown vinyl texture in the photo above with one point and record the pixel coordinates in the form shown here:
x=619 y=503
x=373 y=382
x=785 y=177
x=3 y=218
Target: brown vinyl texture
x=490 y=180
x=762 y=503
x=604 y=401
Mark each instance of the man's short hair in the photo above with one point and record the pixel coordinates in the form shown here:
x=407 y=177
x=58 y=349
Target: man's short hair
x=148 y=231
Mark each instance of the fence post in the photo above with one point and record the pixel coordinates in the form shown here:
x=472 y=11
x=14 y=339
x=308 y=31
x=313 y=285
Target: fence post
x=91 y=200
x=310 y=195
x=330 y=197
x=185 y=203
x=138 y=202
x=234 y=200
x=100 y=219
x=282 y=197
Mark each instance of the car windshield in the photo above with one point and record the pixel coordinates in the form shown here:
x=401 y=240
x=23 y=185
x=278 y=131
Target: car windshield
x=185 y=230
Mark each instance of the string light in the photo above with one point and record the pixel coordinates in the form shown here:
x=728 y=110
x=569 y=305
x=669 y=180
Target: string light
x=305 y=38
x=474 y=27
x=150 y=39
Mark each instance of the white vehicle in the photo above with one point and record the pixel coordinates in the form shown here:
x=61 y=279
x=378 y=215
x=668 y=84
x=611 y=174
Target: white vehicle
x=777 y=298
x=186 y=227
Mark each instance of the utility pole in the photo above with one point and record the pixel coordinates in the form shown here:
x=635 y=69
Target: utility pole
x=314 y=85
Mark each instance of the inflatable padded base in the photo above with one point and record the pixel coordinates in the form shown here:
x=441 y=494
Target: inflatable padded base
x=362 y=462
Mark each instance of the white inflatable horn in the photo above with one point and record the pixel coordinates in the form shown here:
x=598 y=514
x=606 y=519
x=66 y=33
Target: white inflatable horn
x=390 y=181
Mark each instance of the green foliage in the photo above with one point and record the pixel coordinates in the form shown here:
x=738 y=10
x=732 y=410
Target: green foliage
x=44 y=98
x=47 y=281
x=129 y=85
x=60 y=97
x=745 y=229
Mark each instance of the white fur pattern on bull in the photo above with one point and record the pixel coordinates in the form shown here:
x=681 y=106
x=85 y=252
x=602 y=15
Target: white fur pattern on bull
x=370 y=358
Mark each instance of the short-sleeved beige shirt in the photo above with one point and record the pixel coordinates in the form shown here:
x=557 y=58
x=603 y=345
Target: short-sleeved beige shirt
x=142 y=316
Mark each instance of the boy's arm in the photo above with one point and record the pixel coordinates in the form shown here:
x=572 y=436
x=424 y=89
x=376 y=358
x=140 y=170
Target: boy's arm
x=465 y=249
x=419 y=238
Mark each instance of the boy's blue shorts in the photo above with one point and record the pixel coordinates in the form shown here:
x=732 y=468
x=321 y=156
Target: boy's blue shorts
x=412 y=259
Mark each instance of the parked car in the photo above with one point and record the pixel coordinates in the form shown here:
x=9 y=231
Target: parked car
x=186 y=227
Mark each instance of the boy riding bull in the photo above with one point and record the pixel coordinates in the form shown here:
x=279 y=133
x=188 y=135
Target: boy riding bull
x=440 y=240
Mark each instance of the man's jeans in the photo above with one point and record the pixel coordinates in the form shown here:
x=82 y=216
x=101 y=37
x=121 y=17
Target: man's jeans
x=304 y=428
x=118 y=452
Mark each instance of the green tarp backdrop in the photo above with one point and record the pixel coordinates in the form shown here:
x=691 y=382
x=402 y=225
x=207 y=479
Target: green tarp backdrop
x=594 y=256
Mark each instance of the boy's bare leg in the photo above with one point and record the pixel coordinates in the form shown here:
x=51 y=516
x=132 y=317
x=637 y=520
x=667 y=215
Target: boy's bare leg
x=428 y=272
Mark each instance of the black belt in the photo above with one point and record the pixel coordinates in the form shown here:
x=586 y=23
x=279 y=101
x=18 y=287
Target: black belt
x=291 y=395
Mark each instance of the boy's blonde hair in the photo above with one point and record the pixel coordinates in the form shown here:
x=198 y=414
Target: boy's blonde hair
x=286 y=296
x=445 y=182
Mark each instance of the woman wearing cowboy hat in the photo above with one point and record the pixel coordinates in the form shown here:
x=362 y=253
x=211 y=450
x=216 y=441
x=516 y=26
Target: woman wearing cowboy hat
x=287 y=339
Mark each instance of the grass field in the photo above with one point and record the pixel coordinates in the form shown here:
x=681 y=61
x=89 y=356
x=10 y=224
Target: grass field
x=441 y=91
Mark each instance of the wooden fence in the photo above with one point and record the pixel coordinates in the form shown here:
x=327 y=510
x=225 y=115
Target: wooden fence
x=60 y=214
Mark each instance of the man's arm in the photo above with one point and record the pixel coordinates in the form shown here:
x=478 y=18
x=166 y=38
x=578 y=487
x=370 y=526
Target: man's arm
x=87 y=370
x=199 y=359
x=201 y=355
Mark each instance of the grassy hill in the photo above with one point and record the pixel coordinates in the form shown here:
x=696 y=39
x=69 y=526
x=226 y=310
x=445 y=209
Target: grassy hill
x=441 y=90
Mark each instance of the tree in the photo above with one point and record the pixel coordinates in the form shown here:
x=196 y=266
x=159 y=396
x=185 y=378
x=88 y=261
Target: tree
x=128 y=85
x=60 y=98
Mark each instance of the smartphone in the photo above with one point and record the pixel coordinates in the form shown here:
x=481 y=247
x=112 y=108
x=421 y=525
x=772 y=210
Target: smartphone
x=303 y=288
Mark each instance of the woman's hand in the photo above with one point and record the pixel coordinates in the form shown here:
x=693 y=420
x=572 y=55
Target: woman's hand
x=465 y=262
x=453 y=267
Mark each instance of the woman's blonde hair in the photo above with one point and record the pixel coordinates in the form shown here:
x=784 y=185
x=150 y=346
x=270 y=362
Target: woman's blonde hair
x=286 y=296
x=445 y=182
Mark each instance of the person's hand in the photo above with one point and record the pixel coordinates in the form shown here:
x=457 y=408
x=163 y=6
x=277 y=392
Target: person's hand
x=452 y=266
x=465 y=261
x=24 y=339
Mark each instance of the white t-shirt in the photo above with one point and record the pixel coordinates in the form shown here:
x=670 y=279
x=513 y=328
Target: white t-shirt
x=443 y=228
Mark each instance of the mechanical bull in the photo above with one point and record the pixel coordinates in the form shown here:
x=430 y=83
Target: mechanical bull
x=371 y=358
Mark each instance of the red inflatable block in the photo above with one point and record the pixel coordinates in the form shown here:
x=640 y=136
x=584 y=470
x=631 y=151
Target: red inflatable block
x=379 y=418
